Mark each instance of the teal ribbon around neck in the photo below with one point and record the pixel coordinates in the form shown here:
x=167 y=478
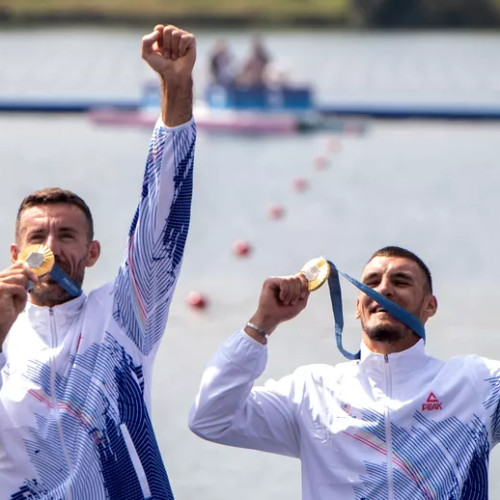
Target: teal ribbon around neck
x=406 y=317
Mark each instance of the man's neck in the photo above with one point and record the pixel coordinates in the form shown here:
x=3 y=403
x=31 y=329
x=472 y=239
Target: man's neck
x=47 y=303
x=384 y=347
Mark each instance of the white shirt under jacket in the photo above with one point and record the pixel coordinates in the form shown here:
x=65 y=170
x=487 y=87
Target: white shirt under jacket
x=401 y=426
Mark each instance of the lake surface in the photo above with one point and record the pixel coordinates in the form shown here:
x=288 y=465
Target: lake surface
x=430 y=186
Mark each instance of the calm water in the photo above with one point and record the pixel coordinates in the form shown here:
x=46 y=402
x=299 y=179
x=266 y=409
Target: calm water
x=432 y=187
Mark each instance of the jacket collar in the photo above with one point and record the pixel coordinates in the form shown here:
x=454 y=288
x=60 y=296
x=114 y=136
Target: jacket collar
x=64 y=316
x=404 y=361
x=70 y=307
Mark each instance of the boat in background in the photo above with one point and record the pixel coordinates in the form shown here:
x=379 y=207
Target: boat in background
x=278 y=109
x=282 y=98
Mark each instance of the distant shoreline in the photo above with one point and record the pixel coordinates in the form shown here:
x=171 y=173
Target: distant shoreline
x=8 y=18
x=235 y=21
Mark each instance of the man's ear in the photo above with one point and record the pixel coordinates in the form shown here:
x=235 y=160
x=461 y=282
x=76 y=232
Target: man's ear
x=93 y=253
x=14 y=252
x=430 y=307
x=358 y=314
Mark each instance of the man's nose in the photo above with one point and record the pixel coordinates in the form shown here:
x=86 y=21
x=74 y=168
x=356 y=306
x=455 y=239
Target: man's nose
x=51 y=242
x=385 y=287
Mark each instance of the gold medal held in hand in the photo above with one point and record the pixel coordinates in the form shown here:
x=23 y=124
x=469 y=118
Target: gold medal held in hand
x=39 y=258
x=316 y=272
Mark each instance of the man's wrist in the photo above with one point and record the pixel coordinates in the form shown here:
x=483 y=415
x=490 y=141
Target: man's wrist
x=252 y=326
x=254 y=332
x=266 y=323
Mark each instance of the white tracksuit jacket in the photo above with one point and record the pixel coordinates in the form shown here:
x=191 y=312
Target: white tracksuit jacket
x=404 y=426
x=76 y=381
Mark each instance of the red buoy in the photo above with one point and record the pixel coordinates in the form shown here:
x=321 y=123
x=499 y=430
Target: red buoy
x=300 y=184
x=196 y=300
x=242 y=248
x=320 y=162
x=276 y=211
x=333 y=144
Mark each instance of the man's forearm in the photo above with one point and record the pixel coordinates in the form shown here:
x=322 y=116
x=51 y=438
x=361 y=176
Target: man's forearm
x=224 y=390
x=177 y=102
x=228 y=411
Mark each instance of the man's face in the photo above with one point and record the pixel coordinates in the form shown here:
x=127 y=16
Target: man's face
x=64 y=229
x=404 y=282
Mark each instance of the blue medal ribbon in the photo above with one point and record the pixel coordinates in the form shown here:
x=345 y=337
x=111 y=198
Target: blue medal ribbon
x=64 y=281
x=406 y=317
x=41 y=260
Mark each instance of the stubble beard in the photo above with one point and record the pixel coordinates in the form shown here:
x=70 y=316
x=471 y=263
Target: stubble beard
x=50 y=293
x=389 y=334
x=388 y=331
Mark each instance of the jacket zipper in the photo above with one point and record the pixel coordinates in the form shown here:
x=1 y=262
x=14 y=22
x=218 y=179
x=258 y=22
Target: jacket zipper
x=388 y=433
x=55 y=402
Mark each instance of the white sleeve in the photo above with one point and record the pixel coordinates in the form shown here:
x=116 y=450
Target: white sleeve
x=229 y=410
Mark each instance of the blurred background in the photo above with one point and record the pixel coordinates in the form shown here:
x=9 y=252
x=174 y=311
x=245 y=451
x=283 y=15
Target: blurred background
x=340 y=13
x=265 y=203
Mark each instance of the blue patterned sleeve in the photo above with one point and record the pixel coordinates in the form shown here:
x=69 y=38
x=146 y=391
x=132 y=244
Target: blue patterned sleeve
x=157 y=236
x=491 y=376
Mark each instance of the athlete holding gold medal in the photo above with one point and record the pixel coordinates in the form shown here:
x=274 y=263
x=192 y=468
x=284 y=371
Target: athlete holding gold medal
x=392 y=423
x=75 y=386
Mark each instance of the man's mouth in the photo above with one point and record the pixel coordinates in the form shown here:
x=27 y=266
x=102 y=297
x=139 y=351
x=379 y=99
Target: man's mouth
x=46 y=278
x=378 y=309
x=65 y=267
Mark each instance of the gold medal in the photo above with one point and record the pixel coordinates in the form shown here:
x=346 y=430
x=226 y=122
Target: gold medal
x=316 y=272
x=38 y=257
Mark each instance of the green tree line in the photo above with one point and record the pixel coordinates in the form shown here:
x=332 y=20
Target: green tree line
x=345 y=13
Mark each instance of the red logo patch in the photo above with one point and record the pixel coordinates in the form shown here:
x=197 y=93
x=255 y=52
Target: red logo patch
x=432 y=403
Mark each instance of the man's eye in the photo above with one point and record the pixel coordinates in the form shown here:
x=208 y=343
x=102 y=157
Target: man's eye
x=402 y=283
x=35 y=238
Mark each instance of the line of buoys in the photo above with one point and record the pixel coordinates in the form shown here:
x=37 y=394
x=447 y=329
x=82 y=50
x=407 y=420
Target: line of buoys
x=243 y=248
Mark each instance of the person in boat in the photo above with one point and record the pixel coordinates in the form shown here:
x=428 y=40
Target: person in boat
x=396 y=423
x=221 y=65
x=254 y=70
x=76 y=369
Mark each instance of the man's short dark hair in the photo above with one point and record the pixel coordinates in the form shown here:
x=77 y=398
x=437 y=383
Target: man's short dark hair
x=394 y=251
x=53 y=195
